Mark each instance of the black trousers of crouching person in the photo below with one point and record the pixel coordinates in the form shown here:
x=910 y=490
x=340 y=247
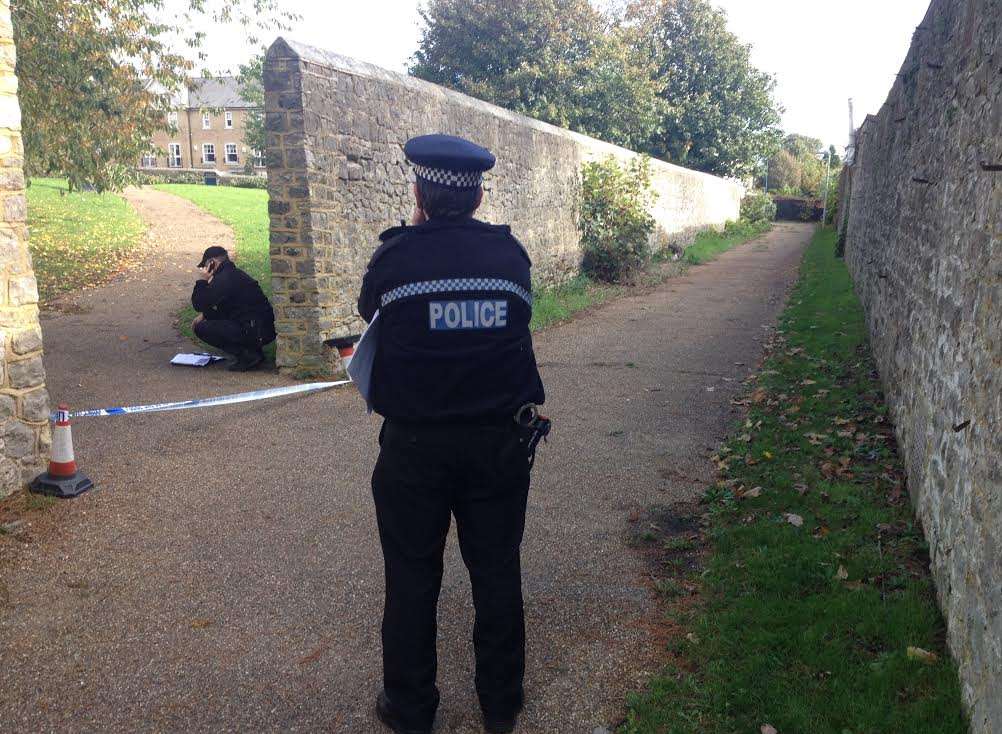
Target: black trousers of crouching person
x=426 y=474
x=233 y=337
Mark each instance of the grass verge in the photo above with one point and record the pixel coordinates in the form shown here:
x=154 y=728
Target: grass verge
x=78 y=239
x=710 y=244
x=552 y=305
x=816 y=584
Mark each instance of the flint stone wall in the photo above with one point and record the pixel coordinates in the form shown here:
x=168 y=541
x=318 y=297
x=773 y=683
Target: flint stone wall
x=923 y=230
x=24 y=402
x=338 y=177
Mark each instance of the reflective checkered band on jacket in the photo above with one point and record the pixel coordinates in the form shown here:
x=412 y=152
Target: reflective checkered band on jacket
x=455 y=284
x=454 y=179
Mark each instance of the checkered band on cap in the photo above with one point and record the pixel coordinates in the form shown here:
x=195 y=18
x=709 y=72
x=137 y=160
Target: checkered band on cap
x=453 y=179
x=426 y=287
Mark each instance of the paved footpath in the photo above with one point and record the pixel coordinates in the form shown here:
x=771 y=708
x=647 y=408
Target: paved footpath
x=227 y=574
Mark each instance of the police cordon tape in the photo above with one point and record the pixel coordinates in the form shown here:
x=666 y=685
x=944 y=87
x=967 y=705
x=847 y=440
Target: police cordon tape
x=242 y=397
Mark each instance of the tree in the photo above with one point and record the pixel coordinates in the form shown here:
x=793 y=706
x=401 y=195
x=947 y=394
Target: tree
x=799 y=167
x=97 y=77
x=785 y=173
x=252 y=88
x=557 y=60
x=719 y=112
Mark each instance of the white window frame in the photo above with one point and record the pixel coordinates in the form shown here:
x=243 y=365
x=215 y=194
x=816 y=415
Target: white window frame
x=208 y=149
x=206 y=121
x=229 y=119
x=174 y=155
x=149 y=160
x=172 y=118
x=258 y=156
x=226 y=153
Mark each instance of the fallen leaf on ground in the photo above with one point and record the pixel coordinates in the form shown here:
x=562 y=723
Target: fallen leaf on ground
x=767 y=455
x=200 y=624
x=768 y=729
x=795 y=520
x=801 y=488
x=841 y=574
x=917 y=653
x=753 y=492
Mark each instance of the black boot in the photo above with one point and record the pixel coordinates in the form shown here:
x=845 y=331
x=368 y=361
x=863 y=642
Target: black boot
x=247 y=359
x=389 y=717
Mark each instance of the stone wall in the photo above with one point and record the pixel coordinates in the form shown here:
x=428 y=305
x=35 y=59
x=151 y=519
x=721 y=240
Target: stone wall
x=338 y=177
x=24 y=402
x=924 y=244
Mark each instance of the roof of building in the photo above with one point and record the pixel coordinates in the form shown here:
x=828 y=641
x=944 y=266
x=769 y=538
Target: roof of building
x=223 y=91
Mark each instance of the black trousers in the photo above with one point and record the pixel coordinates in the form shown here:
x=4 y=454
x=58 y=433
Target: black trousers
x=233 y=337
x=426 y=474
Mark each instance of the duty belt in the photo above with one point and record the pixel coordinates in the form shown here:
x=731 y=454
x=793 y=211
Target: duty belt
x=536 y=426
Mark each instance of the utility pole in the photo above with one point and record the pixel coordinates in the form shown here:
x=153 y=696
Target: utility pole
x=828 y=169
x=850 y=151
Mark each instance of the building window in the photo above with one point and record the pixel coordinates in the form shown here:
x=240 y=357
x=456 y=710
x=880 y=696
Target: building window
x=149 y=161
x=206 y=121
x=229 y=120
x=258 y=158
x=231 y=153
x=208 y=153
x=172 y=119
x=174 y=155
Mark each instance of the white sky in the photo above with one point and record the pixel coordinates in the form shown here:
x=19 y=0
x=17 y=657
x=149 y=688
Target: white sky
x=821 y=52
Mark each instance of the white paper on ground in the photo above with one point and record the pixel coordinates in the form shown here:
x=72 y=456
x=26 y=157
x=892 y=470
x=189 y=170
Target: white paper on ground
x=195 y=360
x=360 y=367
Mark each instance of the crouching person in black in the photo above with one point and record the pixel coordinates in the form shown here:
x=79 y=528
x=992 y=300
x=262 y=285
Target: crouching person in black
x=235 y=315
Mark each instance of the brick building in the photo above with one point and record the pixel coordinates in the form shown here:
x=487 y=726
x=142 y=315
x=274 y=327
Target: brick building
x=209 y=131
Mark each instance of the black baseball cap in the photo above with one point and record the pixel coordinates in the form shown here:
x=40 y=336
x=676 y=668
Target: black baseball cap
x=214 y=251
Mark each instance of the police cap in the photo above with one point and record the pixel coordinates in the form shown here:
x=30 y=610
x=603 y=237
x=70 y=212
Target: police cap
x=448 y=160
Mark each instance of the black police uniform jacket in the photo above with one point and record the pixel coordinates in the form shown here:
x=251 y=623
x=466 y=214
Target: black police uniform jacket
x=235 y=296
x=454 y=300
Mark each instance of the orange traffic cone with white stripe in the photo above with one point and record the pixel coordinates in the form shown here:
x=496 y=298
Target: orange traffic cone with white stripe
x=345 y=346
x=63 y=479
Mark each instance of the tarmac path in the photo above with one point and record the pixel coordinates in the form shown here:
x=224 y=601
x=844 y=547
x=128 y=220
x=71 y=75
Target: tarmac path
x=227 y=576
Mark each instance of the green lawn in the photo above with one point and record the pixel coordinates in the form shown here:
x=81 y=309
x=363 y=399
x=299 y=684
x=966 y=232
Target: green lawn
x=816 y=582
x=246 y=211
x=77 y=239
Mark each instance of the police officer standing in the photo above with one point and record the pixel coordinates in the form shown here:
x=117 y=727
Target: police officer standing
x=456 y=380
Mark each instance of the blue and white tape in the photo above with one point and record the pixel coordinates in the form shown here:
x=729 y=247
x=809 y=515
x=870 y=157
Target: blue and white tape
x=241 y=397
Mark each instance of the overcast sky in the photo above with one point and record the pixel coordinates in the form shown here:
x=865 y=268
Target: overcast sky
x=821 y=52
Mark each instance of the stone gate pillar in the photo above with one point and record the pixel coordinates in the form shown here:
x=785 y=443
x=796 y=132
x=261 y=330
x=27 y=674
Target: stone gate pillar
x=24 y=402
x=309 y=304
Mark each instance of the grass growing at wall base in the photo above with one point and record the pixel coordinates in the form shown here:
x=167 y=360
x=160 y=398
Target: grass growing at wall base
x=77 y=239
x=552 y=305
x=817 y=580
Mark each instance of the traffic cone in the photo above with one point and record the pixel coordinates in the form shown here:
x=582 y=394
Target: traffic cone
x=63 y=478
x=345 y=348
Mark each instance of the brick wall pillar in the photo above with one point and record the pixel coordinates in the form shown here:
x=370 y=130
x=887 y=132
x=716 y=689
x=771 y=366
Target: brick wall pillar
x=24 y=401
x=302 y=288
